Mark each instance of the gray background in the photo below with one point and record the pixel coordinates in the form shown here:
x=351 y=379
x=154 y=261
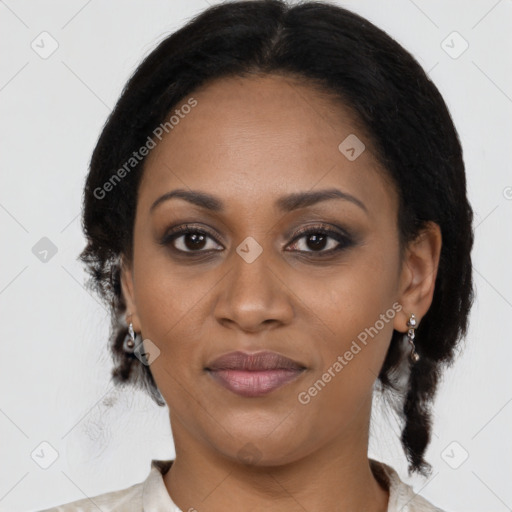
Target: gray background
x=54 y=368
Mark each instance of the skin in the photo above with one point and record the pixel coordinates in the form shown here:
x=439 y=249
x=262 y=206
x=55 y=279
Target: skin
x=248 y=142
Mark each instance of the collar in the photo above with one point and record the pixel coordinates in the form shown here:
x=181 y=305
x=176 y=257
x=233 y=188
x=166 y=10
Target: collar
x=155 y=497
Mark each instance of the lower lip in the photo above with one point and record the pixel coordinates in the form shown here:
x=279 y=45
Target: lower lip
x=254 y=383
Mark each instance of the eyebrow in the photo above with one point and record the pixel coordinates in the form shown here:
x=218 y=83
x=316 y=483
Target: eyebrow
x=286 y=203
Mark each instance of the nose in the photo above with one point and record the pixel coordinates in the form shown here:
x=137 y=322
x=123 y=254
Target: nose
x=254 y=296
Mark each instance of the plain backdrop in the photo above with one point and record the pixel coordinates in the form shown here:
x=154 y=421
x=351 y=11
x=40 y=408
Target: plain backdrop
x=57 y=405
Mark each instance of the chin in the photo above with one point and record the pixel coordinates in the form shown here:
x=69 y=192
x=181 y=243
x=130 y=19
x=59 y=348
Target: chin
x=260 y=449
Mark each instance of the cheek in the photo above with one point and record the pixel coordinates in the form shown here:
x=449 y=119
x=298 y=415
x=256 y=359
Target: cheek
x=359 y=313
x=165 y=299
x=353 y=295
x=357 y=306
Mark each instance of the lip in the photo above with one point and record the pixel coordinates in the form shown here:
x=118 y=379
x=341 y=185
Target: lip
x=255 y=374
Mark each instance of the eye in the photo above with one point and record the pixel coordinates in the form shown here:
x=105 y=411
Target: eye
x=188 y=238
x=320 y=239
x=316 y=239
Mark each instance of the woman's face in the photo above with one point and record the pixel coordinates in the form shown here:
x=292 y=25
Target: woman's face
x=249 y=282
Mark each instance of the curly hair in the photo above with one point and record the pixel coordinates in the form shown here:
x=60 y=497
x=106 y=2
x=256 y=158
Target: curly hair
x=399 y=107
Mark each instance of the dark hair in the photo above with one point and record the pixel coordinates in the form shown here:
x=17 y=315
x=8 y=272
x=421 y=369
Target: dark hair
x=409 y=127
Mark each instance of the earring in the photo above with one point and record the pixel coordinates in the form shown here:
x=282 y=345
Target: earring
x=412 y=323
x=129 y=341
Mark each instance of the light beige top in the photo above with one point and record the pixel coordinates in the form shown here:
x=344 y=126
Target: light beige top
x=151 y=495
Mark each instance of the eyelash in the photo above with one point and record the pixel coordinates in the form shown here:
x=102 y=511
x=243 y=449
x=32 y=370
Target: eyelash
x=344 y=240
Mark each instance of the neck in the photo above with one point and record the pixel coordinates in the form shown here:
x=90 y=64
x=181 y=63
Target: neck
x=336 y=476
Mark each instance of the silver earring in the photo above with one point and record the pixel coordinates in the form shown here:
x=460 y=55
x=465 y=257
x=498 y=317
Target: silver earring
x=412 y=324
x=129 y=341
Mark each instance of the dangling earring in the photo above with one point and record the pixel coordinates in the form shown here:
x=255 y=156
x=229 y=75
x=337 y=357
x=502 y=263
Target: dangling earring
x=129 y=341
x=412 y=323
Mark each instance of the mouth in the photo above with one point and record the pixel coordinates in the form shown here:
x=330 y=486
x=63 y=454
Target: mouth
x=253 y=375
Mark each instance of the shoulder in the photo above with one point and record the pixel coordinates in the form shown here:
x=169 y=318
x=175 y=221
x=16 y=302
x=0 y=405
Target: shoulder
x=402 y=497
x=125 y=499
x=130 y=499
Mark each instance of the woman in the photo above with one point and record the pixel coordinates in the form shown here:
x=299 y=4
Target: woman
x=276 y=213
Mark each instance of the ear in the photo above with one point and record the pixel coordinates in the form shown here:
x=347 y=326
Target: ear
x=127 y=287
x=418 y=275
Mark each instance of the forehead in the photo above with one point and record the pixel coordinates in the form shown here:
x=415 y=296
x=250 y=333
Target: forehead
x=252 y=138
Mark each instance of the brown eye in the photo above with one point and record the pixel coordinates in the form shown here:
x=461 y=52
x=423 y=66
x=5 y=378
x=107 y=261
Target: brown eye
x=190 y=239
x=316 y=242
x=320 y=240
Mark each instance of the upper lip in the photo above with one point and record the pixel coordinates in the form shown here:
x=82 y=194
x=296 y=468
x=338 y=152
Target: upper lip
x=258 y=361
